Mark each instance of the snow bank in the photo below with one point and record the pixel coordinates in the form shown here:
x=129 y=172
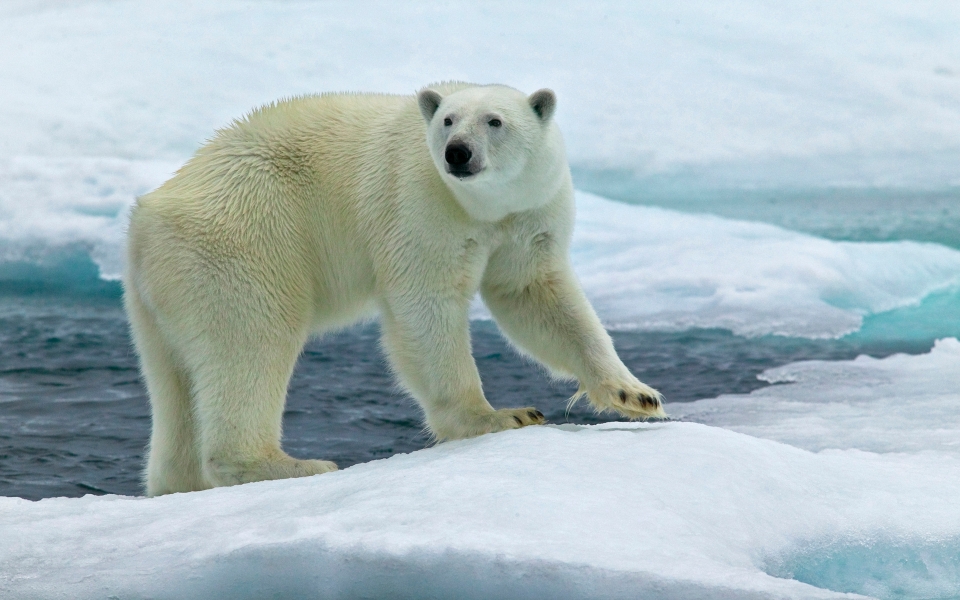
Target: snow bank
x=823 y=92
x=897 y=404
x=642 y=267
x=655 y=268
x=103 y=100
x=672 y=510
x=73 y=203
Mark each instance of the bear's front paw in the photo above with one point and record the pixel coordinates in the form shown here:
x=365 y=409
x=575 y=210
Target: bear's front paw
x=632 y=399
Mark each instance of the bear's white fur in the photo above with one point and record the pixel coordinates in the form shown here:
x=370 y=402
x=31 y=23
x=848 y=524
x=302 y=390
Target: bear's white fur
x=313 y=213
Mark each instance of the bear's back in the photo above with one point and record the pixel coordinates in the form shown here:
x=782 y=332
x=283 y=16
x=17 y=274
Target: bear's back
x=329 y=144
x=277 y=163
x=296 y=186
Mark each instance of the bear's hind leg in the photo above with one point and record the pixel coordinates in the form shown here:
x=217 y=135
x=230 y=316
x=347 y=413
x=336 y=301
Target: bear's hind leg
x=173 y=462
x=240 y=388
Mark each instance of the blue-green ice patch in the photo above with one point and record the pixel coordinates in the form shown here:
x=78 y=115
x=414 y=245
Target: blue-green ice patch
x=888 y=569
x=936 y=316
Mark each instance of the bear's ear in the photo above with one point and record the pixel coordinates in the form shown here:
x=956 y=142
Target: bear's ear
x=543 y=103
x=428 y=100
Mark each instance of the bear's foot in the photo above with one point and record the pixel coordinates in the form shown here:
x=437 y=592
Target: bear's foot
x=489 y=422
x=234 y=472
x=515 y=418
x=632 y=399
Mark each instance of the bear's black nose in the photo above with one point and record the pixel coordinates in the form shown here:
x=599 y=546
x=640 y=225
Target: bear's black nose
x=458 y=154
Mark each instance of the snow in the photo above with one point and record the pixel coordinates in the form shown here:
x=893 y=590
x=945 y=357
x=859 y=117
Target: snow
x=642 y=267
x=661 y=509
x=103 y=100
x=864 y=93
x=900 y=403
x=652 y=510
x=645 y=267
x=50 y=204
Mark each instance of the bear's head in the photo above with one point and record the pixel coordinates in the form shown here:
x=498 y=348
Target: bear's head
x=498 y=150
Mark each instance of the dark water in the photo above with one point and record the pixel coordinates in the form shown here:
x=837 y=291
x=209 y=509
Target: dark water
x=74 y=417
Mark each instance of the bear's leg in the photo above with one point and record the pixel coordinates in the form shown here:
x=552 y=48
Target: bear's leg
x=240 y=386
x=427 y=342
x=550 y=317
x=173 y=462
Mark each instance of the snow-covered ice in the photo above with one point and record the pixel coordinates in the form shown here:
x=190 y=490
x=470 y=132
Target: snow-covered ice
x=51 y=204
x=621 y=510
x=642 y=267
x=734 y=93
x=849 y=93
x=654 y=268
x=899 y=403
x=624 y=510
x=102 y=101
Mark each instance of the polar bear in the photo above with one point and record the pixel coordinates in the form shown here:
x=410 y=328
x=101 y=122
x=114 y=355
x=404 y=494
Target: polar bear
x=313 y=213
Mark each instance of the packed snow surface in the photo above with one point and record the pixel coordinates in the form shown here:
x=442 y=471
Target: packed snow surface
x=620 y=510
x=896 y=404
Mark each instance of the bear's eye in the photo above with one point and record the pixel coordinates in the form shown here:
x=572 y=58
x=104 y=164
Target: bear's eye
x=448 y=122
x=494 y=123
